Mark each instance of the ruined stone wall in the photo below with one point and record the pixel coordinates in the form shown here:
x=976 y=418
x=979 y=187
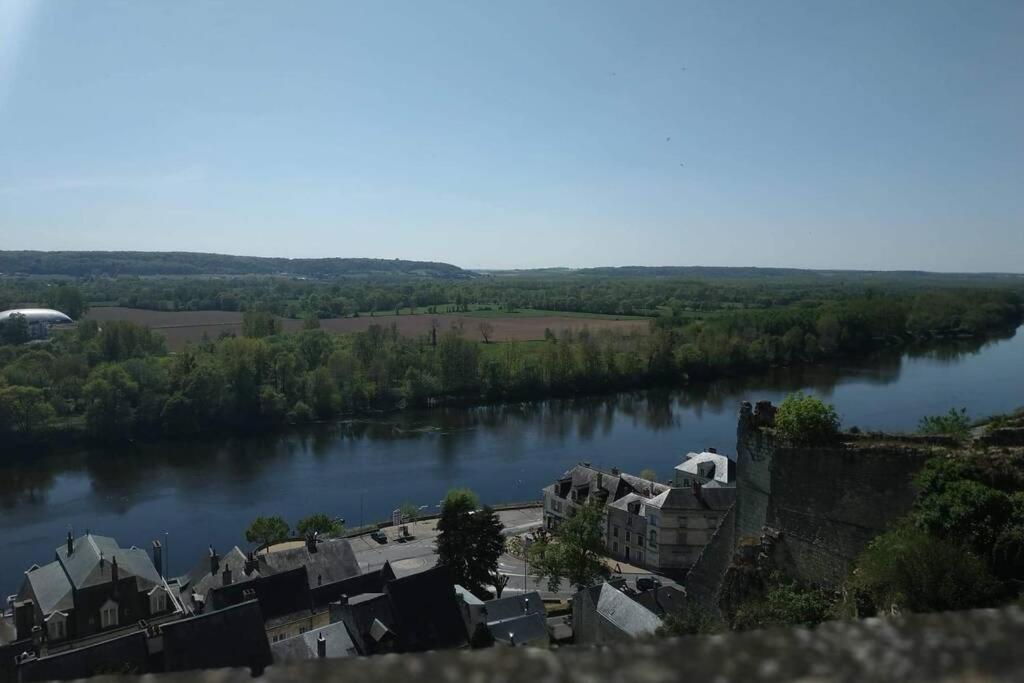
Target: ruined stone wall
x=754 y=447
x=827 y=503
x=704 y=580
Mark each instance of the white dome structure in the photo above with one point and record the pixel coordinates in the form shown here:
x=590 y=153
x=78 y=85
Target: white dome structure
x=38 y=315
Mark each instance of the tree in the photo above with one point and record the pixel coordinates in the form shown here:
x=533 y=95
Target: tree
x=24 y=409
x=409 y=512
x=319 y=523
x=14 y=330
x=648 y=474
x=574 y=552
x=109 y=397
x=804 y=420
x=955 y=423
x=909 y=569
x=690 y=619
x=267 y=530
x=67 y=299
x=486 y=330
x=784 y=605
x=311 y=321
x=256 y=324
x=470 y=540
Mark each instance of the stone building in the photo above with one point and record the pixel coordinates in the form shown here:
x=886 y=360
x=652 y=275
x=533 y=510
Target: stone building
x=708 y=468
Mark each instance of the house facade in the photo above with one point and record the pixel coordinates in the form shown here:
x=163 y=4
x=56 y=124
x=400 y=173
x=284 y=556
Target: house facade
x=646 y=523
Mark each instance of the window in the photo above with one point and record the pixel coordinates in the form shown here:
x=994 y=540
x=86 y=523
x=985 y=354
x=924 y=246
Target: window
x=629 y=520
x=653 y=539
x=639 y=540
x=627 y=537
x=55 y=627
x=108 y=614
x=158 y=601
x=615 y=546
x=652 y=520
x=615 y=532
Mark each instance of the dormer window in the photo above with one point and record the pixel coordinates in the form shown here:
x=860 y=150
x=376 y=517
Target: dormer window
x=56 y=626
x=158 y=600
x=108 y=614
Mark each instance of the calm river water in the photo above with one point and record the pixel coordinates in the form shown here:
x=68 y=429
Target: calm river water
x=206 y=492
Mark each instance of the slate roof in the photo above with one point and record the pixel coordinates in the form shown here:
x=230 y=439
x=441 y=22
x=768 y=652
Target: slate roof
x=513 y=607
x=522 y=630
x=230 y=637
x=200 y=579
x=467 y=596
x=685 y=499
x=427 y=616
x=51 y=588
x=84 y=569
x=359 y=615
x=333 y=561
x=625 y=613
x=593 y=479
x=298 y=648
x=662 y=600
x=724 y=467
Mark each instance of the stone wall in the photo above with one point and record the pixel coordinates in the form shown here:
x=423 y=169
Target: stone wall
x=704 y=580
x=971 y=647
x=826 y=503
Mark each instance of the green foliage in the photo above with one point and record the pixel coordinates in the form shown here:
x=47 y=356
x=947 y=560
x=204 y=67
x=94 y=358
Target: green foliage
x=267 y=530
x=410 y=512
x=257 y=324
x=955 y=423
x=965 y=511
x=574 y=552
x=318 y=523
x=690 y=619
x=804 y=420
x=908 y=569
x=110 y=396
x=649 y=474
x=24 y=409
x=14 y=330
x=784 y=605
x=470 y=541
x=67 y=299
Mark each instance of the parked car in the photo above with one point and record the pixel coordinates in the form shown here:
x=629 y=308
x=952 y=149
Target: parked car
x=646 y=583
x=379 y=536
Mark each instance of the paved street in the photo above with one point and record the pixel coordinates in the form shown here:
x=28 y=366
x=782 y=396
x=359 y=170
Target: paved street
x=417 y=554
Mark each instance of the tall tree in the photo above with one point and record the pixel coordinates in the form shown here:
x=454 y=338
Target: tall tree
x=574 y=552
x=267 y=530
x=319 y=523
x=470 y=541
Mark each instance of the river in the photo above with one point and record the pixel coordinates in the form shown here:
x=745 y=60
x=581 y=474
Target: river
x=207 y=491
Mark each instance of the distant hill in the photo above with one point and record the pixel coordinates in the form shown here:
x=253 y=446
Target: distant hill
x=114 y=263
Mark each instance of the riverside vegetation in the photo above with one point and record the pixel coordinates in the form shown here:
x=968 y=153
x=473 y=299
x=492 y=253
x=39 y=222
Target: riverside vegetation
x=116 y=381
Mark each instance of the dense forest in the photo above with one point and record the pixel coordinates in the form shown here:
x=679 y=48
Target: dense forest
x=117 y=381
x=139 y=263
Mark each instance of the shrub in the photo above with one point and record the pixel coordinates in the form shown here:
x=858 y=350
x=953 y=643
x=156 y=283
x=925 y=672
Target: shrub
x=955 y=423
x=909 y=569
x=804 y=420
x=784 y=605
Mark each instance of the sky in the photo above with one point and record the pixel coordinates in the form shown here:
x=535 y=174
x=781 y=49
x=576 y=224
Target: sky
x=520 y=134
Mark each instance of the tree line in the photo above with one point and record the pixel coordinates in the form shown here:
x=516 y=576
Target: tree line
x=116 y=381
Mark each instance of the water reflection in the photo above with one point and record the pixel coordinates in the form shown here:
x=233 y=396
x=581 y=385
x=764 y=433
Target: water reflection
x=364 y=467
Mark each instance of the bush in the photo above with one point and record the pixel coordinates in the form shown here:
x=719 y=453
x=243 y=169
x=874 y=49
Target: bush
x=909 y=569
x=955 y=423
x=804 y=420
x=690 y=619
x=784 y=605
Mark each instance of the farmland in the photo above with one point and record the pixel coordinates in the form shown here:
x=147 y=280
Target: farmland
x=181 y=327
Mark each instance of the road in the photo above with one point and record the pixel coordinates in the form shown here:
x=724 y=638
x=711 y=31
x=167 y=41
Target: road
x=418 y=554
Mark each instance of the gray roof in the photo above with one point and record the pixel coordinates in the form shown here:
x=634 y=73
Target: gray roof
x=724 y=468
x=201 y=579
x=625 y=613
x=513 y=607
x=89 y=563
x=524 y=629
x=301 y=647
x=333 y=561
x=50 y=588
x=662 y=600
x=685 y=499
x=467 y=595
x=615 y=485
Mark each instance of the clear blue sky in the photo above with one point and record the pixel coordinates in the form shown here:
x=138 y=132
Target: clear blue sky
x=519 y=133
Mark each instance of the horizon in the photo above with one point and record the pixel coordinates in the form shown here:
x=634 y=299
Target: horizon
x=792 y=135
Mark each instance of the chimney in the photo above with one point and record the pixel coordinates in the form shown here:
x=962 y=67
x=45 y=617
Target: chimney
x=526 y=605
x=511 y=638
x=158 y=557
x=321 y=646
x=214 y=561
x=696 y=488
x=343 y=600
x=226 y=575
x=615 y=471
x=712 y=450
x=24 y=616
x=71 y=544
x=250 y=564
x=113 y=573
x=311 y=542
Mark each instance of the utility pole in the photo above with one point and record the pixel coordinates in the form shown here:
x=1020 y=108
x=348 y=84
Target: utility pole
x=166 y=557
